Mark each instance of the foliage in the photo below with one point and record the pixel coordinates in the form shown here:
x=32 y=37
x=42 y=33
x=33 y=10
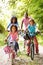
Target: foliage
x=18 y=7
x=34 y=8
x=2 y=29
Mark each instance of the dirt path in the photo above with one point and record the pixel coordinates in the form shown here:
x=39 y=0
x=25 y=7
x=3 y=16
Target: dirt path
x=22 y=59
x=27 y=61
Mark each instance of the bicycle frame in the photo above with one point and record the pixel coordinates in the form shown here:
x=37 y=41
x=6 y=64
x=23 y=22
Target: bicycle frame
x=32 y=49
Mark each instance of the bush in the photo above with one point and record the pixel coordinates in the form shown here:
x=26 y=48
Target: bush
x=2 y=29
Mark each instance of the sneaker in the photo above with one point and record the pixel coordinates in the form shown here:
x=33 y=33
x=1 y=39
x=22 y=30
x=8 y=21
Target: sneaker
x=27 y=54
x=37 y=53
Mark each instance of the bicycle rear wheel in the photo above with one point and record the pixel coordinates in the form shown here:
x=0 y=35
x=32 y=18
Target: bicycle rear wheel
x=32 y=51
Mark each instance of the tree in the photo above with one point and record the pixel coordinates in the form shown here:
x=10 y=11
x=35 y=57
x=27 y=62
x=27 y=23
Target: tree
x=10 y=8
x=34 y=8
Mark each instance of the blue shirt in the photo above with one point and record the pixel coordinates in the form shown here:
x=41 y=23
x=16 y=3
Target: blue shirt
x=32 y=29
x=10 y=24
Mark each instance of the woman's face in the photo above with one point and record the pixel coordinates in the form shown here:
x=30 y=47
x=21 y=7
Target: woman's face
x=13 y=20
x=13 y=29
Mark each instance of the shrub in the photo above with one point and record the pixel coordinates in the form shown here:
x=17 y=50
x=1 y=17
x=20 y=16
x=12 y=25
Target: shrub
x=2 y=29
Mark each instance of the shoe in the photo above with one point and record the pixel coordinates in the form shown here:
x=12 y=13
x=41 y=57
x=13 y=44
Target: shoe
x=27 y=54
x=37 y=53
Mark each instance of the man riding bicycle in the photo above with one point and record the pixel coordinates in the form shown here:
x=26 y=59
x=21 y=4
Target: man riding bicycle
x=25 y=21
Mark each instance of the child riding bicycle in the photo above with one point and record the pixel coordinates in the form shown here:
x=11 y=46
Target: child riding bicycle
x=12 y=39
x=32 y=29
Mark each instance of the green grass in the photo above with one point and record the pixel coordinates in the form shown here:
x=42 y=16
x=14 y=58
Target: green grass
x=2 y=37
x=40 y=39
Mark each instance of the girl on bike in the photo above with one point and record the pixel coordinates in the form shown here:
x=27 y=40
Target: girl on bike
x=32 y=29
x=13 y=38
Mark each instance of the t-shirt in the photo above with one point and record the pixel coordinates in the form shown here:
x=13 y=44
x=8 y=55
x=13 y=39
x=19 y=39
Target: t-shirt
x=26 y=21
x=32 y=29
x=13 y=36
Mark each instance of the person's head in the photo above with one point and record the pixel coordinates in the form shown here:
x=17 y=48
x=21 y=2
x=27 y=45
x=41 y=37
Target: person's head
x=14 y=19
x=26 y=14
x=13 y=28
x=32 y=22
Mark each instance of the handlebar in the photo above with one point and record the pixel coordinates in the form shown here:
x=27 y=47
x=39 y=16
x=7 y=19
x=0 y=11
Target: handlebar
x=27 y=32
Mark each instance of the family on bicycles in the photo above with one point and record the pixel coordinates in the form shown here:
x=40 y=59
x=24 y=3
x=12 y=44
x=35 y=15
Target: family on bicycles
x=13 y=35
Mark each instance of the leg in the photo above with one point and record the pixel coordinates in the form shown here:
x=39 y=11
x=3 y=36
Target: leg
x=24 y=43
x=28 y=47
x=13 y=52
x=13 y=55
x=16 y=47
x=36 y=44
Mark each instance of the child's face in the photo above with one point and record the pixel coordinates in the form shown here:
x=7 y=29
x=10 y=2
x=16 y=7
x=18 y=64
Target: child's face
x=31 y=23
x=13 y=29
x=13 y=20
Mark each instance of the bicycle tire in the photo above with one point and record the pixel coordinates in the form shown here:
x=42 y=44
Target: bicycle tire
x=32 y=51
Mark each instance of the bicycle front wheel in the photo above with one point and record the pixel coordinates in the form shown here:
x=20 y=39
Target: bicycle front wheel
x=32 y=51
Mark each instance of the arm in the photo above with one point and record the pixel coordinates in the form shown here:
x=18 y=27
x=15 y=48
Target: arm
x=17 y=37
x=7 y=37
x=18 y=25
x=36 y=29
x=21 y=24
x=8 y=27
x=27 y=28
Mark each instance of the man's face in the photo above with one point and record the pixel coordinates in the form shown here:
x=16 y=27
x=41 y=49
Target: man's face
x=26 y=15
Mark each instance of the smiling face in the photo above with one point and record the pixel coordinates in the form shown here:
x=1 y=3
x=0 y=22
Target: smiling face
x=13 y=29
x=31 y=22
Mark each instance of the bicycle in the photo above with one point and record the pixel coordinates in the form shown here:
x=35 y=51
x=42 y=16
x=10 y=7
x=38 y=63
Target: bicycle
x=9 y=49
x=26 y=36
x=32 y=49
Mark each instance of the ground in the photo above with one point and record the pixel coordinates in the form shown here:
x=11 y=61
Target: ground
x=22 y=58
